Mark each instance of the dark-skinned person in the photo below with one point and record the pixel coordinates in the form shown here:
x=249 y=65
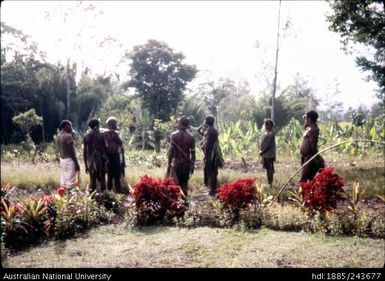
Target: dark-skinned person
x=212 y=155
x=309 y=147
x=69 y=164
x=181 y=155
x=267 y=150
x=115 y=154
x=95 y=155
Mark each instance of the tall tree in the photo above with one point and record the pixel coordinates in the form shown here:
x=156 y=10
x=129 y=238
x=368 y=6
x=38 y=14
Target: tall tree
x=276 y=66
x=18 y=92
x=90 y=94
x=214 y=93
x=71 y=39
x=363 y=21
x=27 y=121
x=159 y=76
x=233 y=107
x=194 y=108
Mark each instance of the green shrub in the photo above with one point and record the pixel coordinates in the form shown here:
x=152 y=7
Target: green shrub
x=287 y=217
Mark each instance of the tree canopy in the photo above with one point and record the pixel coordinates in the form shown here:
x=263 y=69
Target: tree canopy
x=363 y=21
x=159 y=76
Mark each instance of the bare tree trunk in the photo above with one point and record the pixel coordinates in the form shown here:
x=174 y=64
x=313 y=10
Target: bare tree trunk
x=68 y=88
x=276 y=67
x=42 y=125
x=43 y=131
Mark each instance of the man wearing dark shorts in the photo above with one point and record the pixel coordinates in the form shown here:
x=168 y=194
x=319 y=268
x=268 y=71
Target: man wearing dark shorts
x=95 y=155
x=267 y=150
x=181 y=155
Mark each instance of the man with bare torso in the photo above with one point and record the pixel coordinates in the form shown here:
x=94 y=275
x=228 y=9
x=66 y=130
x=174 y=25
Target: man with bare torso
x=309 y=147
x=69 y=164
x=181 y=155
x=115 y=154
x=95 y=155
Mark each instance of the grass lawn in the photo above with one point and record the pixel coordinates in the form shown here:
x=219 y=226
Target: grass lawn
x=369 y=173
x=154 y=247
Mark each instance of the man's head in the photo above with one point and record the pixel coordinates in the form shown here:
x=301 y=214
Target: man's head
x=93 y=123
x=66 y=126
x=209 y=120
x=269 y=124
x=310 y=117
x=183 y=123
x=112 y=123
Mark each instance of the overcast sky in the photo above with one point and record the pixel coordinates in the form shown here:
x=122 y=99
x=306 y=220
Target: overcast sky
x=222 y=38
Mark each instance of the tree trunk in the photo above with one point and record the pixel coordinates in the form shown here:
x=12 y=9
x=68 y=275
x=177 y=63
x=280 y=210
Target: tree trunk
x=143 y=139
x=276 y=67
x=42 y=125
x=68 y=88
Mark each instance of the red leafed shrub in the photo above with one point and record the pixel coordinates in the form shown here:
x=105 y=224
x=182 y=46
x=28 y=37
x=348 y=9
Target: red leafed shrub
x=156 y=199
x=238 y=194
x=324 y=191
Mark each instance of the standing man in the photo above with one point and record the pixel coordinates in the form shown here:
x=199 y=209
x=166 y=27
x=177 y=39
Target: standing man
x=115 y=154
x=267 y=150
x=95 y=155
x=309 y=147
x=69 y=164
x=181 y=155
x=211 y=158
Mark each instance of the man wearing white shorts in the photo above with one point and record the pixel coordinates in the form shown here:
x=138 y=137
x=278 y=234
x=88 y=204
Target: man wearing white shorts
x=69 y=164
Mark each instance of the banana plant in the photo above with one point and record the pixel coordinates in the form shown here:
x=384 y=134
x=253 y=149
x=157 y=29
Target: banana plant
x=357 y=196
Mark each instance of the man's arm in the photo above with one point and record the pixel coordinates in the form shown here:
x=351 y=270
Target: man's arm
x=192 y=153
x=85 y=154
x=266 y=143
x=119 y=140
x=170 y=153
x=211 y=139
x=72 y=153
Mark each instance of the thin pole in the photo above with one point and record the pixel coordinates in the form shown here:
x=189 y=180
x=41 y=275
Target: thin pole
x=307 y=162
x=276 y=66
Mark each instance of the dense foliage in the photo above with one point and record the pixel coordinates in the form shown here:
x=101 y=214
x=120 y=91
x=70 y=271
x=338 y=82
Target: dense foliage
x=157 y=199
x=159 y=76
x=324 y=191
x=363 y=22
x=62 y=213
x=238 y=194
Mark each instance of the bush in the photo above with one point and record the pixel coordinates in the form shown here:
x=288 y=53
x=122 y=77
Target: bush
x=370 y=224
x=324 y=191
x=285 y=217
x=239 y=194
x=61 y=214
x=157 y=200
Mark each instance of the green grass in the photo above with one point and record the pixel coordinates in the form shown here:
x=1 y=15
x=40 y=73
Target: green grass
x=370 y=174
x=201 y=247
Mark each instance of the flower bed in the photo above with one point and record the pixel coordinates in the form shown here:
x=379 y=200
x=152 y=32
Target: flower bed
x=31 y=219
x=27 y=219
x=237 y=195
x=324 y=191
x=157 y=200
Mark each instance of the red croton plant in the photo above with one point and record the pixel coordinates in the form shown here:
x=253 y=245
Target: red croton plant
x=156 y=198
x=238 y=194
x=324 y=191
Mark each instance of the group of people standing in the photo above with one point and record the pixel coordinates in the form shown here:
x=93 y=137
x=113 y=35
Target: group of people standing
x=309 y=148
x=181 y=154
x=103 y=153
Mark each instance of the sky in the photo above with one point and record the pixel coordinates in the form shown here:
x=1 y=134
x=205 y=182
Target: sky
x=235 y=39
